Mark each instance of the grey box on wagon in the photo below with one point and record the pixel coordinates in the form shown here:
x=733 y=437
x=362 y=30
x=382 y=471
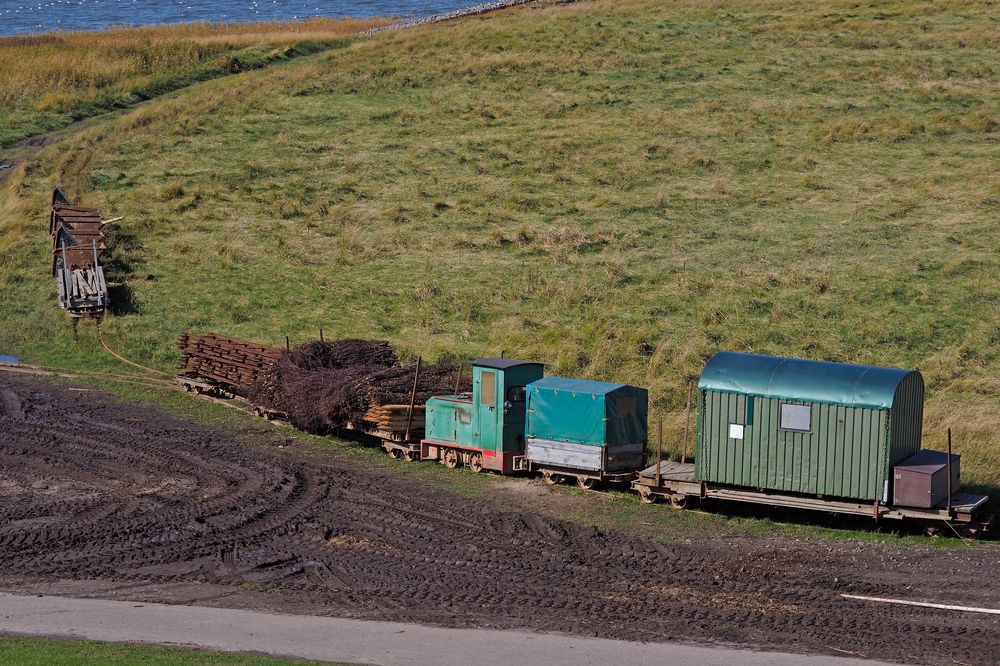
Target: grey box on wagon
x=922 y=479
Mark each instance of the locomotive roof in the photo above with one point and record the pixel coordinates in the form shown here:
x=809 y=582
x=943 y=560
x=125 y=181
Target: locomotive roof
x=807 y=381
x=502 y=363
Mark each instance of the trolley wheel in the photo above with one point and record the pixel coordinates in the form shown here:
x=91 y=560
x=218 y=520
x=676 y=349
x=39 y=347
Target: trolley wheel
x=476 y=462
x=549 y=478
x=395 y=454
x=646 y=495
x=586 y=482
x=451 y=458
x=679 y=501
x=410 y=456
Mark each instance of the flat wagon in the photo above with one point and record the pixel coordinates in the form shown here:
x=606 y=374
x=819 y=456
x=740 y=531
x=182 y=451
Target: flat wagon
x=77 y=246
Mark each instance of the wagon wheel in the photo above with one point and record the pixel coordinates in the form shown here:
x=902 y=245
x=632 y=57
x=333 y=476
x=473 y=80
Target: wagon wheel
x=395 y=454
x=646 y=495
x=586 y=482
x=451 y=458
x=476 y=462
x=410 y=456
x=549 y=478
x=679 y=501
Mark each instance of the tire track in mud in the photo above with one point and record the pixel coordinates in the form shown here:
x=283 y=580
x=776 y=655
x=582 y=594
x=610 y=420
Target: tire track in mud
x=121 y=500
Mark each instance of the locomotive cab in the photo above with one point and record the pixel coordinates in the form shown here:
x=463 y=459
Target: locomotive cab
x=484 y=430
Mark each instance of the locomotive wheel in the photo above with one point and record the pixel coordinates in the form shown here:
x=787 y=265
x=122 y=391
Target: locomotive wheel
x=646 y=495
x=451 y=458
x=395 y=454
x=476 y=463
x=679 y=501
x=410 y=456
x=549 y=478
x=586 y=482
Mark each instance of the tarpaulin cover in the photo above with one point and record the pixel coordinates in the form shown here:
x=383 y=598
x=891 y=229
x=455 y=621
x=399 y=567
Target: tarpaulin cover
x=796 y=379
x=586 y=412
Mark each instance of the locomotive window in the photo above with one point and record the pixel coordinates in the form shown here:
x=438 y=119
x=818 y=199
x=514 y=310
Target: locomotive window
x=488 y=388
x=515 y=394
x=797 y=418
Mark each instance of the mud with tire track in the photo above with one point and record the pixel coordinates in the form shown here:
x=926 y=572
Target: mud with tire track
x=101 y=498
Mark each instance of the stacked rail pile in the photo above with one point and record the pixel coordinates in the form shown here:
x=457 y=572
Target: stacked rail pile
x=229 y=362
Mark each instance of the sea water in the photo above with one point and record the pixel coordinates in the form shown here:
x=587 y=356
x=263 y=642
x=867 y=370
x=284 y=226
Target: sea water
x=34 y=16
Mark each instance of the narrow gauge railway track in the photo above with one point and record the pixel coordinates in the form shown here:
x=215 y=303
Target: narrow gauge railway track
x=130 y=503
x=121 y=378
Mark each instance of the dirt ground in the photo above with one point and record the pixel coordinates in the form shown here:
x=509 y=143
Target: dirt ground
x=104 y=499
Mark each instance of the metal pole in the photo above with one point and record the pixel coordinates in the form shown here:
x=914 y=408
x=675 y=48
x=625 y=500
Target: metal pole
x=321 y=335
x=659 y=452
x=687 y=426
x=458 y=377
x=288 y=345
x=413 y=400
x=949 y=473
x=94 y=243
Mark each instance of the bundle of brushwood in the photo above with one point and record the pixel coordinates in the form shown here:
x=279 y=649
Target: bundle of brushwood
x=233 y=363
x=323 y=385
x=304 y=374
x=390 y=386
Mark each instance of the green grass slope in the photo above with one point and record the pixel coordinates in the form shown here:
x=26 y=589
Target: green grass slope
x=618 y=189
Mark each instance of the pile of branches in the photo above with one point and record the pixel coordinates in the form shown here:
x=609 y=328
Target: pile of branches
x=390 y=386
x=323 y=385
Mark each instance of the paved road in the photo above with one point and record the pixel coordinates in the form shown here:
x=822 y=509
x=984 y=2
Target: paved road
x=352 y=641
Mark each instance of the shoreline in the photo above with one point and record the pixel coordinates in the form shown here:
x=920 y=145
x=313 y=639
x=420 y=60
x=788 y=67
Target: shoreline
x=397 y=23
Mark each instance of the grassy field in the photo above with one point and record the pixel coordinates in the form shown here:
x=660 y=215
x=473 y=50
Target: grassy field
x=618 y=189
x=51 y=652
x=49 y=81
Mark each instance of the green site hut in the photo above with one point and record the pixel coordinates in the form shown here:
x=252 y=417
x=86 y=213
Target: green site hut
x=814 y=427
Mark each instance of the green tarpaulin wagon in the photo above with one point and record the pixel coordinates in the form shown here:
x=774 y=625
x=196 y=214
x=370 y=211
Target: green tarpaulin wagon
x=591 y=431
